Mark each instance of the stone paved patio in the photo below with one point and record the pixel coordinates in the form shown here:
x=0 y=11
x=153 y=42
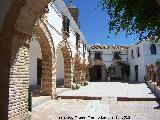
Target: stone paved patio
x=109 y=107
x=111 y=89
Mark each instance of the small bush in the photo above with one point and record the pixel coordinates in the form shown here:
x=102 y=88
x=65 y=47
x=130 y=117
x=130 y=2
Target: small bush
x=85 y=83
x=77 y=86
x=82 y=83
x=73 y=86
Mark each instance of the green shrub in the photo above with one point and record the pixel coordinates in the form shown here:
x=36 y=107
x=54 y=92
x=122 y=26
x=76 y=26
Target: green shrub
x=85 y=83
x=73 y=86
x=77 y=86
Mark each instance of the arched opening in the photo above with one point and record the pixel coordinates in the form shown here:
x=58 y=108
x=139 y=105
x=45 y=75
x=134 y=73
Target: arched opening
x=60 y=70
x=47 y=62
x=35 y=65
x=64 y=48
x=98 y=73
x=115 y=72
x=14 y=42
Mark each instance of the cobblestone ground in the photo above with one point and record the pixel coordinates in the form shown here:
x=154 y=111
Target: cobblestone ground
x=108 y=108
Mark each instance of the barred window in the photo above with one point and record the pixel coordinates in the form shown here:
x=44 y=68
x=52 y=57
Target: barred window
x=153 y=49
x=117 y=55
x=98 y=56
x=66 y=23
x=138 y=52
x=77 y=40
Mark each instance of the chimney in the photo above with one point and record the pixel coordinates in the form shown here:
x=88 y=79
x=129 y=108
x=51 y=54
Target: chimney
x=74 y=11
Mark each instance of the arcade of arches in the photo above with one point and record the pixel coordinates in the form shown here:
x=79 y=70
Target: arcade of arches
x=15 y=39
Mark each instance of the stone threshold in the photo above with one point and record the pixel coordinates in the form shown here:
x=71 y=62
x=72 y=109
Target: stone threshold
x=136 y=99
x=79 y=97
x=100 y=98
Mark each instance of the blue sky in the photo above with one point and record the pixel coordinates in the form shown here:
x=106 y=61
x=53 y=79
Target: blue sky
x=94 y=24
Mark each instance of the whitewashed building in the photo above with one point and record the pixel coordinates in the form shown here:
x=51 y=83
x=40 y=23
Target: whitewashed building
x=106 y=56
x=104 y=59
x=140 y=55
x=62 y=23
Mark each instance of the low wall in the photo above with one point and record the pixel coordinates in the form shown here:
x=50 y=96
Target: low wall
x=154 y=89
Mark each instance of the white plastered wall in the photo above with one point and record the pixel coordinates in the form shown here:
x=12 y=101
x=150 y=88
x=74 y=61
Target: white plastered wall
x=34 y=53
x=60 y=67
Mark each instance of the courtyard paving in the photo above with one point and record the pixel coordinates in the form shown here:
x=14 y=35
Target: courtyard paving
x=108 y=108
x=111 y=89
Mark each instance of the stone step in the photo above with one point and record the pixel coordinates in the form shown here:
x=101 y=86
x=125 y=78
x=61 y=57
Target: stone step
x=136 y=99
x=80 y=97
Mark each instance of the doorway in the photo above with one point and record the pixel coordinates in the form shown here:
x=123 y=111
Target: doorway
x=39 y=71
x=97 y=75
x=136 y=73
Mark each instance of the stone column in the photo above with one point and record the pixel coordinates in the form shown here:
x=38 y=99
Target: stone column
x=67 y=72
x=19 y=77
x=149 y=73
x=6 y=36
x=84 y=72
x=78 y=73
x=152 y=73
x=158 y=75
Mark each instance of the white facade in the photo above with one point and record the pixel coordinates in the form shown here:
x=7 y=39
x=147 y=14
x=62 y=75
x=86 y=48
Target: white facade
x=107 y=55
x=54 y=22
x=145 y=58
x=137 y=63
x=34 y=54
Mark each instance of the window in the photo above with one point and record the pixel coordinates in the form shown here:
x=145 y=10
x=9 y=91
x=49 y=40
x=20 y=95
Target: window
x=132 y=55
x=84 y=50
x=153 y=49
x=97 y=56
x=46 y=9
x=138 y=53
x=112 y=71
x=77 y=40
x=117 y=55
x=66 y=23
x=89 y=52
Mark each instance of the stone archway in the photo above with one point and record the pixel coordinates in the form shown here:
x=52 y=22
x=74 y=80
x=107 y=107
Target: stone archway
x=78 y=68
x=14 y=57
x=48 y=59
x=101 y=70
x=67 y=55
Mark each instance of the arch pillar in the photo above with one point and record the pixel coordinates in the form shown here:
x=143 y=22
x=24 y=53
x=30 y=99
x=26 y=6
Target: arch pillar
x=78 y=68
x=84 y=71
x=14 y=57
x=6 y=35
x=19 y=77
